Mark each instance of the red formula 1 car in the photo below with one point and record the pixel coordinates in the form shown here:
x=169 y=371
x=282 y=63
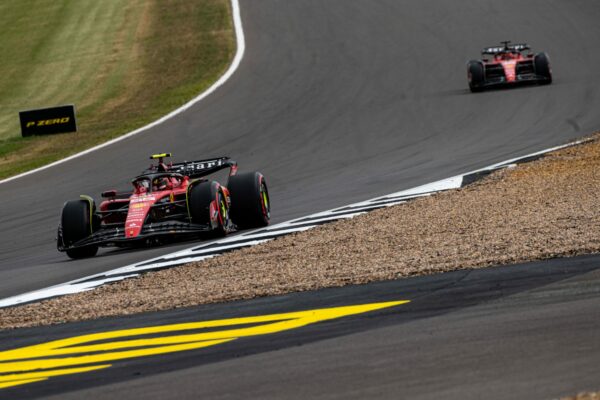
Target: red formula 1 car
x=168 y=201
x=508 y=66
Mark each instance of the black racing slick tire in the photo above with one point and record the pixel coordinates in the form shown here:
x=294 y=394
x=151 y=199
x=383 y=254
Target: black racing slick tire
x=250 y=204
x=476 y=76
x=200 y=197
x=541 y=63
x=76 y=224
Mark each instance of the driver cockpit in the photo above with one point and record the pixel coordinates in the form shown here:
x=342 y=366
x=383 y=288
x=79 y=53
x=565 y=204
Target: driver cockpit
x=161 y=183
x=141 y=185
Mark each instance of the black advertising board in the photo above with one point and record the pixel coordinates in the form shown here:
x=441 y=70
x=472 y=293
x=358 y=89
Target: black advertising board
x=45 y=121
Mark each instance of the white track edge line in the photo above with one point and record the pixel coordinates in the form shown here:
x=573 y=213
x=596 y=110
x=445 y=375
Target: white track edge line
x=241 y=47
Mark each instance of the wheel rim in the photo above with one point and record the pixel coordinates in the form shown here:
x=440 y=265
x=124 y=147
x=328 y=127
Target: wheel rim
x=264 y=201
x=223 y=212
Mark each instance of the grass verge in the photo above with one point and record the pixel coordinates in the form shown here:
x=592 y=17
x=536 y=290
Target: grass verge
x=123 y=65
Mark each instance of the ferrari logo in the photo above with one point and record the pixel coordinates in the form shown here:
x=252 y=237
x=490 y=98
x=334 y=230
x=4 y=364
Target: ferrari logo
x=172 y=197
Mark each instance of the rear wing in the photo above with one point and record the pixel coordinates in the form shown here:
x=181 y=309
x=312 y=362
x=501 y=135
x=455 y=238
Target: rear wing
x=506 y=48
x=200 y=168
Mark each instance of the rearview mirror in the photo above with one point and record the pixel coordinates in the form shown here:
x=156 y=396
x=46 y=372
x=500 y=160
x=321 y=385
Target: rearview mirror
x=109 y=193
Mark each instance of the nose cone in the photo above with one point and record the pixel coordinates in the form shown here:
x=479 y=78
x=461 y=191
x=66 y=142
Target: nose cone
x=132 y=230
x=138 y=209
x=510 y=70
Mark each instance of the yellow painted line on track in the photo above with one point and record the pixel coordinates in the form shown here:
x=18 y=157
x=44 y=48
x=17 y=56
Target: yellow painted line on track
x=20 y=382
x=23 y=378
x=74 y=355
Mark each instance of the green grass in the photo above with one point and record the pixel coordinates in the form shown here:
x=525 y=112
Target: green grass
x=122 y=63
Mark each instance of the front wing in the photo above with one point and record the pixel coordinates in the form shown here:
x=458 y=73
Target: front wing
x=115 y=236
x=521 y=79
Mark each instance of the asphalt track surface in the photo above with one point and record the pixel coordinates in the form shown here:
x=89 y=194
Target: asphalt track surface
x=519 y=332
x=337 y=102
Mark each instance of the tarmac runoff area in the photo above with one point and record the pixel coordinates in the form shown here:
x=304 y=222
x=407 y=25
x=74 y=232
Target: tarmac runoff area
x=540 y=210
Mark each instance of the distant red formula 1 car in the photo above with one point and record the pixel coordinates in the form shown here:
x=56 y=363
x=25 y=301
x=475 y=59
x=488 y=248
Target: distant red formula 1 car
x=508 y=66
x=168 y=201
